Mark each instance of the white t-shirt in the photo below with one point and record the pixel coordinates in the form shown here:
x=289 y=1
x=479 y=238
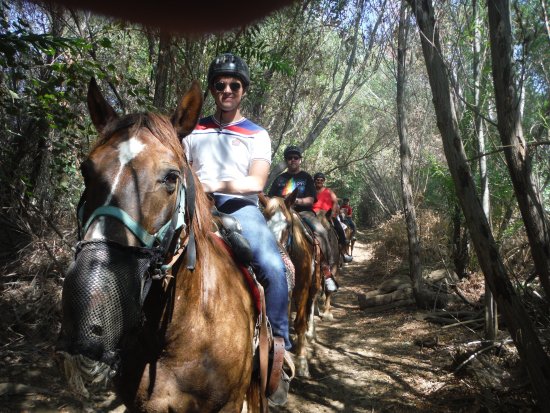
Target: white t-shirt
x=224 y=152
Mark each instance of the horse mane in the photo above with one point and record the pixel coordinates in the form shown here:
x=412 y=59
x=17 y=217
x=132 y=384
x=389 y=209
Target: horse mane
x=273 y=204
x=161 y=127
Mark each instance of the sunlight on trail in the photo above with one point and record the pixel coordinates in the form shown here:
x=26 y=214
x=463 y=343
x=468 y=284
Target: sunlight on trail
x=367 y=362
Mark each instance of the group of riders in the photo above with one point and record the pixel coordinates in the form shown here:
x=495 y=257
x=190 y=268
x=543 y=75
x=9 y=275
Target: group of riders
x=231 y=157
x=313 y=199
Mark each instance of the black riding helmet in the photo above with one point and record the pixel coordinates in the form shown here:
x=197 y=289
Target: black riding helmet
x=319 y=175
x=231 y=65
x=292 y=150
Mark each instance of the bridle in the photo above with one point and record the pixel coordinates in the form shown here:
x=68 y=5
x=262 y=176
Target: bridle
x=162 y=247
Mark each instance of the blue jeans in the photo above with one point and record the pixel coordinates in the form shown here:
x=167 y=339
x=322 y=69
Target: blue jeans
x=349 y=222
x=267 y=262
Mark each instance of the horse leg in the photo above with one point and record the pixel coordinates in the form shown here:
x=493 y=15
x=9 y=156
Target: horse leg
x=327 y=314
x=302 y=368
x=300 y=325
x=311 y=332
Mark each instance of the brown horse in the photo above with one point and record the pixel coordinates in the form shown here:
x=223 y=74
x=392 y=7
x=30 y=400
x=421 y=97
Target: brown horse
x=350 y=241
x=350 y=236
x=289 y=230
x=153 y=298
x=335 y=251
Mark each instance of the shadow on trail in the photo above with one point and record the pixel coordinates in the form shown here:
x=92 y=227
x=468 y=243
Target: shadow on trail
x=356 y=361
x=342 y=378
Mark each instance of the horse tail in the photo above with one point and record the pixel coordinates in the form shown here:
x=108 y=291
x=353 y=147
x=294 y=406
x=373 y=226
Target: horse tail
x=253 y=398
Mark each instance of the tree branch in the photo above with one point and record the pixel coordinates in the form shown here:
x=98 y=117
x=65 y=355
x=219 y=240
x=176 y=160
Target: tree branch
x=501 y=149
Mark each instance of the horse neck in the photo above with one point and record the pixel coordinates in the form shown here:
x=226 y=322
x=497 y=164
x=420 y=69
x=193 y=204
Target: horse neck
x=200 y=290
x=299 y=239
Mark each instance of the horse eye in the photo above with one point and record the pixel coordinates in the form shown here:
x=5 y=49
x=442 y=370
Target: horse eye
x=170 y=180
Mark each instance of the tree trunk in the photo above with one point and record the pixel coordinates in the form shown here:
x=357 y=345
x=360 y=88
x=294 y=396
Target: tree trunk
x=515 y=316
x=415 y=266
x=460 y=244
x=161 y=75
x=39 y=132
x=516 y=151
x=491 y=319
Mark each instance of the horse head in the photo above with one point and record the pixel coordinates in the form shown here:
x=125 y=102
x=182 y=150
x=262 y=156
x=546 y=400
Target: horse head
x=133 y=214
x=278 y=214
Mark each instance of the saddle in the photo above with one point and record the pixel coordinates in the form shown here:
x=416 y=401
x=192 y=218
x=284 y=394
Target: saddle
x=229 y=229
x=270 y=363
x=307 y=227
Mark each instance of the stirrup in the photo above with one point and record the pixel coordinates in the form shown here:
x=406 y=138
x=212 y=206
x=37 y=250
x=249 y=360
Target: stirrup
x=280 y=396
x=279 y=381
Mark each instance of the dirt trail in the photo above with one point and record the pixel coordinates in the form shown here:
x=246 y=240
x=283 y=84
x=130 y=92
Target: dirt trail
x=368 y=362
x=361 y=362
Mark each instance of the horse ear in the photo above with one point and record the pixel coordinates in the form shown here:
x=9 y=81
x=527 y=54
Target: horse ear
x=100 y=111
x=187 y=113
x=291 y=199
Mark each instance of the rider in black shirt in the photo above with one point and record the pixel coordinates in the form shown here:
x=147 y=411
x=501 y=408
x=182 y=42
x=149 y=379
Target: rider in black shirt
x=287 y=182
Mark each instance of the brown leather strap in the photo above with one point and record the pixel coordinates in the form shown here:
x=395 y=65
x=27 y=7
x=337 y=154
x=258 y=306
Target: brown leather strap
x=277 y=366
x=264 y=353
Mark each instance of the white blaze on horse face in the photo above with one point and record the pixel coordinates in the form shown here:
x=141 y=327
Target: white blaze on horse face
x=277 y=224
x=127 y=151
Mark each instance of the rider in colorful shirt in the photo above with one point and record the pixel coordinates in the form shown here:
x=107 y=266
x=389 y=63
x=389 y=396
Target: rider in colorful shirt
x=348 y=211
x=294 y=178
x=231 y=156
x=327 y=202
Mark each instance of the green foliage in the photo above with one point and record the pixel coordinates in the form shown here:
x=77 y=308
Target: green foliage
x=43 y=134
x=440 y=193
x=298 y=58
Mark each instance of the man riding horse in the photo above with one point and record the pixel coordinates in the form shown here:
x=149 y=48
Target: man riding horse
x=231 y=156
x=327 y=203
x=284 y=184
x=348 y=220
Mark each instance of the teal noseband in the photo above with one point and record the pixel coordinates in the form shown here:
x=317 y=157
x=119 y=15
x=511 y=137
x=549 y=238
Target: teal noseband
x=147 y=240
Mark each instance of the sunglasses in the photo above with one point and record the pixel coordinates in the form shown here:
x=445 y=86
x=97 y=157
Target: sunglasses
x=234 y=86
x=292 y=158
x=319 y=180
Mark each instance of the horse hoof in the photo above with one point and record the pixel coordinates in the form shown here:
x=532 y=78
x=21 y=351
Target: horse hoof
x=302 y=369
x=327 y=316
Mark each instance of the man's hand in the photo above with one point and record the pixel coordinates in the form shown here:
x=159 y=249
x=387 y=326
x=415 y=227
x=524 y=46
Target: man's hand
x=210 y=187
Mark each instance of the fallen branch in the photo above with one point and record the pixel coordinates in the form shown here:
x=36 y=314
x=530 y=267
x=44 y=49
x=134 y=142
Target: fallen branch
x=481 y=351
x=462 y=323
x=462 y=296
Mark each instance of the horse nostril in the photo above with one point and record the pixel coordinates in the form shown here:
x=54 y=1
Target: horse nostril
x=97 y=330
